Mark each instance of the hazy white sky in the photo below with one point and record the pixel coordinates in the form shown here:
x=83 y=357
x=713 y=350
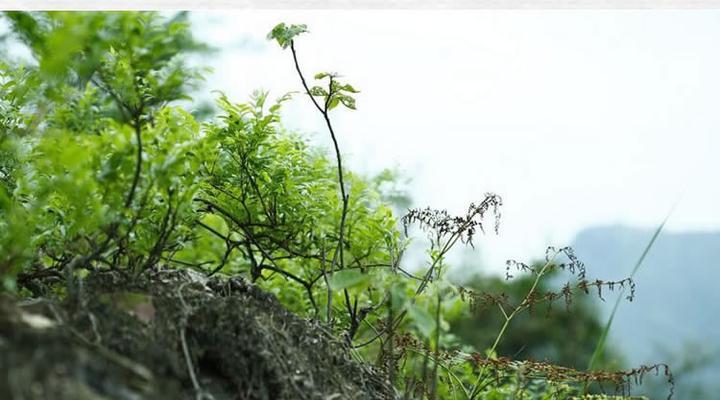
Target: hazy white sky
x=576 y=118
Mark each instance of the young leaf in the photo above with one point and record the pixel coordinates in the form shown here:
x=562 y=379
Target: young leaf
x=349 y=88
x=347 y=101
x=334 y=101
x=348 y=278
x=284 y=34
x=318 y=91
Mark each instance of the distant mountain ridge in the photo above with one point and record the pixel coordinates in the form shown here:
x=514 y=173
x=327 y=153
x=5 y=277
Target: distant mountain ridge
x=677 y=299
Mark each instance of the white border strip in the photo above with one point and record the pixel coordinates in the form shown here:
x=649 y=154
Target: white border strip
x=351 y=4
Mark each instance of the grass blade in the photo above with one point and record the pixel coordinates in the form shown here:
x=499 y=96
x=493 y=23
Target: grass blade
x=600 y=347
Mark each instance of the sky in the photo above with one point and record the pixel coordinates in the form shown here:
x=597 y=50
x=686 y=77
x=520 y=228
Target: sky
x=576 y=118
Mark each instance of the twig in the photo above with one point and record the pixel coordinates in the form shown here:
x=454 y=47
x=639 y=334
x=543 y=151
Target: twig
x=200 y=394
x=326 y=117
x=138 y=162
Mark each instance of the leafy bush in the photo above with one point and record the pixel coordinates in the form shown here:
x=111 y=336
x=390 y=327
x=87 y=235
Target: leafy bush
x=102 y=170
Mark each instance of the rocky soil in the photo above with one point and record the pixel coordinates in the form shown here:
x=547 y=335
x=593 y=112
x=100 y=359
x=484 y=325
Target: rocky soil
x=172 y=334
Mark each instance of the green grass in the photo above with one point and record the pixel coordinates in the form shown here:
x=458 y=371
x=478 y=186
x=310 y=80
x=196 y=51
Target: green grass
x=600 y=347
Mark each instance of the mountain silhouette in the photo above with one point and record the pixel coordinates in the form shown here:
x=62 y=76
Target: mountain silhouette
x=675 y=316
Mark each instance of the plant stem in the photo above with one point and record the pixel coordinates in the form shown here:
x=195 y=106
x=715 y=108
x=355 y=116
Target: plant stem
x=338 y=156
x=138 y=162
x=523 y=304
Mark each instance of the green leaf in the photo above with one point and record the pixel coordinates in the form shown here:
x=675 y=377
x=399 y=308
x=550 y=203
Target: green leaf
x=422 y=320
x=216 y=223
x=348 y=278
x=284 y=34
x=322 y=75
x=318 y=91
x=347 y=101
x=349 y=88
x=333 y=103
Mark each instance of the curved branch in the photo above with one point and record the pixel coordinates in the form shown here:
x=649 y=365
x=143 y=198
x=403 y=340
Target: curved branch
x=326 y=117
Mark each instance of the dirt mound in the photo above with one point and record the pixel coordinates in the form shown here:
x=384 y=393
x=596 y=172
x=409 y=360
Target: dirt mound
x=173 y=335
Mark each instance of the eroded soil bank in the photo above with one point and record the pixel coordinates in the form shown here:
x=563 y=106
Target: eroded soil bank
x=173 y=335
